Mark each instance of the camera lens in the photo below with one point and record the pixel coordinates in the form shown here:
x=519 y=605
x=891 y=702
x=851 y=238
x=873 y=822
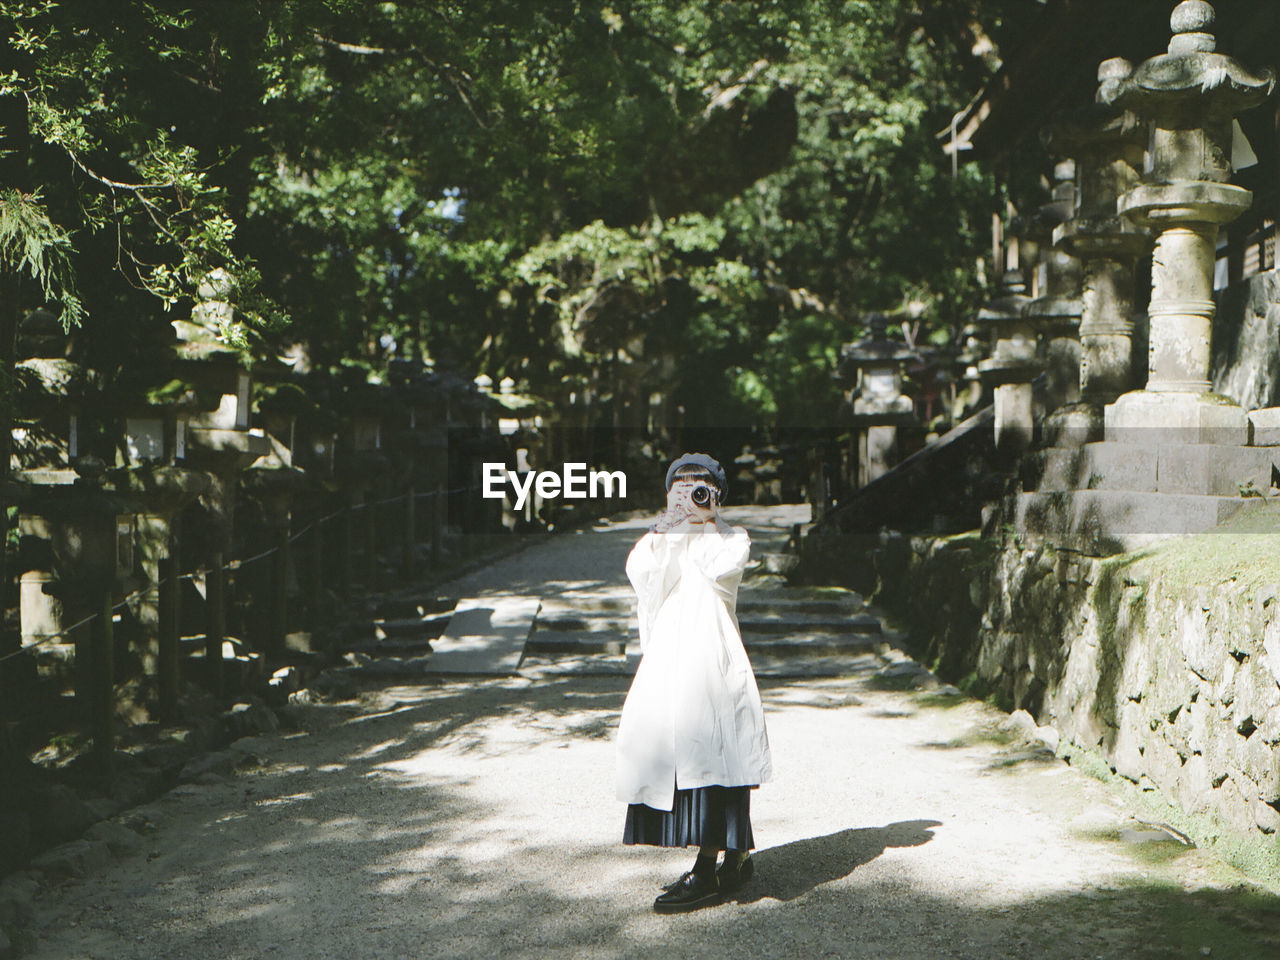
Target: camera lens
x=701 y=495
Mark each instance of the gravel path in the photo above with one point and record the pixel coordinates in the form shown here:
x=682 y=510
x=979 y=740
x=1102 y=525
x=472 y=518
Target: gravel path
x=475 y=818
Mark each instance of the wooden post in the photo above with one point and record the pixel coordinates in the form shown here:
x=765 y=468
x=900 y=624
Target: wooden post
x=280 y=593
x=169 y=669
x=410 y=532
x=316 y=569
x=103 y=699
x=369 y=538
x=437 y=524
x=468 y=521
x=215 y=623
x=347 y=538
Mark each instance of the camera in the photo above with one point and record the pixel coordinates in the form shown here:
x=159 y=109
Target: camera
x=702 y=495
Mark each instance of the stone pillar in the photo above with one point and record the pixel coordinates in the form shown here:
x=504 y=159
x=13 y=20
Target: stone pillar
x=1191 y=96
x=1107 y=145
x=1055 y=314
x=1012 y=365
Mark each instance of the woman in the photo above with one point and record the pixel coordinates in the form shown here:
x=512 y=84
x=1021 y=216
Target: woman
x=691 y=741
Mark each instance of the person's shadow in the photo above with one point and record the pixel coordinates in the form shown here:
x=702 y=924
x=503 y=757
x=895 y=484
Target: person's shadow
x=793 y=869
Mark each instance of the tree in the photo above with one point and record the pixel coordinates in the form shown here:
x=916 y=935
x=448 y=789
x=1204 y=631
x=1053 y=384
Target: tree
x=539 y=189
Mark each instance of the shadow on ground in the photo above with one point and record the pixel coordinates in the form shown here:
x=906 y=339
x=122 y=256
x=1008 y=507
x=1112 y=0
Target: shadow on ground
x=375 y=848
x=793 y=869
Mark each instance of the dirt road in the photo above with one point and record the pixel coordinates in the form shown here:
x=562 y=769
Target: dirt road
x=476 y=818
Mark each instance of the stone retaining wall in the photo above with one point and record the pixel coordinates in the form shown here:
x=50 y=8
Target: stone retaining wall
x=1165 y=663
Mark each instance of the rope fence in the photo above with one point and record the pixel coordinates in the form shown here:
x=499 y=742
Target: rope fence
x=230 y=565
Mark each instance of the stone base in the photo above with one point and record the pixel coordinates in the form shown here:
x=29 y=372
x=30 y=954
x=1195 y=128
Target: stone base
x=1074 y=425
x=1150 y=417
x=1201 y=469
x=1105 y=522
x=1264 y=426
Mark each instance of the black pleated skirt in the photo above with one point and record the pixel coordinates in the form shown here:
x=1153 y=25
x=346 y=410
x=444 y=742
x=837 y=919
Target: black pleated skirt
x=700 y=817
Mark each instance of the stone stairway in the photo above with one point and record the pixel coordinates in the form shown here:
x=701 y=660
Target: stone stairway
x=398 y=641
x=579 y=615
x=788 y=632
x=1109 y=497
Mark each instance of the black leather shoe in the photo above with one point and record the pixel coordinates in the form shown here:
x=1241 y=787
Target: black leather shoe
x=689 y=893
x=732 y=879
x=675 y=883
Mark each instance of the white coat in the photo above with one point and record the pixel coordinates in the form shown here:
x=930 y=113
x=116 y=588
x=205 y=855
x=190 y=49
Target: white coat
x=693 y=716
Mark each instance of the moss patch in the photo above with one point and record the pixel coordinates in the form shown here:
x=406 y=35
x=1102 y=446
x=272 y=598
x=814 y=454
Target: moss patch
x=1245 y=549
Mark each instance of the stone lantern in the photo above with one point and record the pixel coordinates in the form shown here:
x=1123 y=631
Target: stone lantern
x=1055 y=314
x=83 y=537
x=1013 y=364
x=151 y=471
x=417 y=434
x=153 y=434
x=1107 y=144
x=1175 y=458
x=52 y=393
x=871 y=372
x=220 y=442
x=1191 y=95
x=361 y=469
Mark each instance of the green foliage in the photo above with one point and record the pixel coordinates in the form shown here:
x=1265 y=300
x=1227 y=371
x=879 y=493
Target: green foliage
x=31 y=243
x=707 y=196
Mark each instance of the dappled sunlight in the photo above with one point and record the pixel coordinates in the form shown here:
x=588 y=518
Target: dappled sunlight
x=374 y=750
x=478 y=818
x=281 y=801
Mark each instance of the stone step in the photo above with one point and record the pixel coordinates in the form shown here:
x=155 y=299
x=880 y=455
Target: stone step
x=763 y=626
x=847 y=606
x=800 y=644
x=587 y=624
x=578 y=642
x=621 y=605
x=764 y=666
x=762 y=623
x=416 y=628
x=748 y=601
x=386 y=666
x=394 y=647
x=1104 y=522
x=776 y=623
x=809 y=645
x=409 y=608
x=485 y=636
x=774 y=667
x=1189 y=468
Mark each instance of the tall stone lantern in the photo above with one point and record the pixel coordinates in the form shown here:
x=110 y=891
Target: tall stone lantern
x=1191 y=95
x=1107 y=144
x=1013 y=364
x=1055 y=314
x=871 y=372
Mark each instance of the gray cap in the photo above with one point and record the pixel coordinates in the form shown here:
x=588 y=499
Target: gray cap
x=710 y=464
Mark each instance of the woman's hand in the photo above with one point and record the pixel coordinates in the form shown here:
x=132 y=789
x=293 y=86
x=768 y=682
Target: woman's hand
x=679 y=509
x=680 y=496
